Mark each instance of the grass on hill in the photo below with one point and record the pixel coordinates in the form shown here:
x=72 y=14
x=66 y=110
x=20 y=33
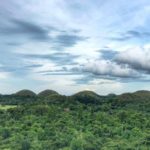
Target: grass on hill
x=6 y=107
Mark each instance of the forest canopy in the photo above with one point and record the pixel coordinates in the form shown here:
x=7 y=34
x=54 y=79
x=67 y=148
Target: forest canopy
x=83 y=121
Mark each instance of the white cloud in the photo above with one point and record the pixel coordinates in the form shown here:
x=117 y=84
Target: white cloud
x=108 y=68
x=136 y=57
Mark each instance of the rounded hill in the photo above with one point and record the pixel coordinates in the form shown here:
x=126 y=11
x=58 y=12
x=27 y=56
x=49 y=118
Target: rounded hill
x=25 y=93
x=47 y=93
x=87 y=97
x=138 y=96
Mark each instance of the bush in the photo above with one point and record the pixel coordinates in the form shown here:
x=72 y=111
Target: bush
x=25 y=145
x=5 y=133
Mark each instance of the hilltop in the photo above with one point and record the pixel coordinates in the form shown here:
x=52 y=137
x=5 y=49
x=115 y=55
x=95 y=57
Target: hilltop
x=25 y=92
x=87 y=97
x=47 y=93
x=135 y=96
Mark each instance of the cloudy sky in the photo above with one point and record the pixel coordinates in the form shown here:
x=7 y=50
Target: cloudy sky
x=73 y=45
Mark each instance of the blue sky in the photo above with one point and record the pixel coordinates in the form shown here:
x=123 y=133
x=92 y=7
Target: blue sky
x=69 y=46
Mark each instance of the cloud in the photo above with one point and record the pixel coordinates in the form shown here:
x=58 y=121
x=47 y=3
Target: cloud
x=129 y=65
x=17 y=34
x=58 y=58
x=131 y=35
x=108 y=68
x=138 y=34
x=84 y=80
x=107 y=53
x=68 y=40
x=137 y=58
x=12 y=44
x=58 y=73
x=25 y=28
x=28 y=30
x=34 y=66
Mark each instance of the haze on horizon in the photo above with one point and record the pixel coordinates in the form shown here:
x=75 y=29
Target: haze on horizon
x=69 y=46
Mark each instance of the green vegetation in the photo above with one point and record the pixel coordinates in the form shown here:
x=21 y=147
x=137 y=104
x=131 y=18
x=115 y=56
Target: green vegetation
x=88 y=97
x=26 y=93
x=6 y=107
x=84 y=121
x=47 y=93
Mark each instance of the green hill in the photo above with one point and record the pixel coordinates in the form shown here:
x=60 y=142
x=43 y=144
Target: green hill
x=47 y=93
x=26 y=93
x=142 y=93
x=87 y=97
x=134 y=97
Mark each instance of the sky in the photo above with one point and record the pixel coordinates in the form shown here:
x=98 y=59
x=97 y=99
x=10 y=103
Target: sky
x=75 y=45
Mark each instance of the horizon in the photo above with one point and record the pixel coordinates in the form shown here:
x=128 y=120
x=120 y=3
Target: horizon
x=72 y=46
x=73 y=93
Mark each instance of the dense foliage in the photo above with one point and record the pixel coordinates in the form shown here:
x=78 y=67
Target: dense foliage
x=84 y=121
x=25 y=93
x=47 y=93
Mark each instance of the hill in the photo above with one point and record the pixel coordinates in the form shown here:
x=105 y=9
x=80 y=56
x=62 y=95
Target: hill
x=47 y=93
x=134 y=97
x=88 y=97
x=26 y=93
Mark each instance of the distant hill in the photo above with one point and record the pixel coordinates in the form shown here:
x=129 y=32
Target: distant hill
x=25 y=92
x=87 y=97
x=47 y=93
x=142 y=93
x=136 y=97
